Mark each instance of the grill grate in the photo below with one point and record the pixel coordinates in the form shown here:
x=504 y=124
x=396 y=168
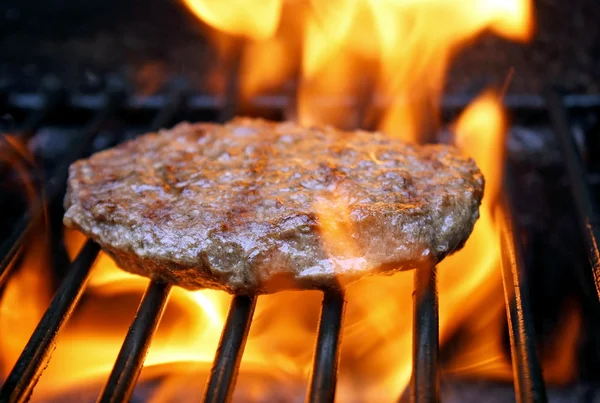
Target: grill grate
x=527 y=373
x=529 y=384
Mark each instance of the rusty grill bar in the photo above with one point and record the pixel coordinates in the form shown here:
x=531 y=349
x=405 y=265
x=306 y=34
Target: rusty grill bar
x=529 y=385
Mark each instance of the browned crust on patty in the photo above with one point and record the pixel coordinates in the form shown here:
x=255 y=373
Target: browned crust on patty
x=232 y=206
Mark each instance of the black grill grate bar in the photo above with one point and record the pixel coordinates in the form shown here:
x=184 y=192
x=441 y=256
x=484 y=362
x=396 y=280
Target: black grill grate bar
x=130 y=360
x=26 y=372
x=327 y=351
x=528 y=381
x=230 y=104
x=223 y=373
x=425 y=383
x=582 y=196
x=54 y=186
x=527 y=373
x=53 y=95
x=37 y=100
x=165 y=116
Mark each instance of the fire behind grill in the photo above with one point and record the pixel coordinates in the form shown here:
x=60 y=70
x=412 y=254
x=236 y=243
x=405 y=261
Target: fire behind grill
x=529 y=384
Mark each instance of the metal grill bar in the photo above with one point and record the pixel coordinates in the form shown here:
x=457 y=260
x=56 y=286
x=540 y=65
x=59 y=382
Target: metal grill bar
x=29 y=100
x=10 y=248
x=589 y=221
x=327 y=351
x=24 y=376
x=425 y=383
x=165 y=116
x=130 y=361
x=26 y=372
x=231 y=347
x=53 y=95
x=527 y=373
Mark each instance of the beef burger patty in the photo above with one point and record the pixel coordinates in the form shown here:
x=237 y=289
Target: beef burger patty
x=237 y=206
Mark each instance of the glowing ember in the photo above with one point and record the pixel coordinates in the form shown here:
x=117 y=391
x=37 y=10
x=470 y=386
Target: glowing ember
x=398 y=50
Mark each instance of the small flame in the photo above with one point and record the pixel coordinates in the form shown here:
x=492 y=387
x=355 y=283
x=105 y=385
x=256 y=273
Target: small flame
x=24 y=298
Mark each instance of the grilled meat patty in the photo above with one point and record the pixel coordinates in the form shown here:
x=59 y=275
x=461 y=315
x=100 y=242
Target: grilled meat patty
x=254 y=206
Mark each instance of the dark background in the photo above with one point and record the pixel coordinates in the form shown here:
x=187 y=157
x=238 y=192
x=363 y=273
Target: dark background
x=146 y=39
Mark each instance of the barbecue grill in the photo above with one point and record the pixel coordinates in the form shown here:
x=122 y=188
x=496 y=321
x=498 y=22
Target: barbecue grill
x=51 y=100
